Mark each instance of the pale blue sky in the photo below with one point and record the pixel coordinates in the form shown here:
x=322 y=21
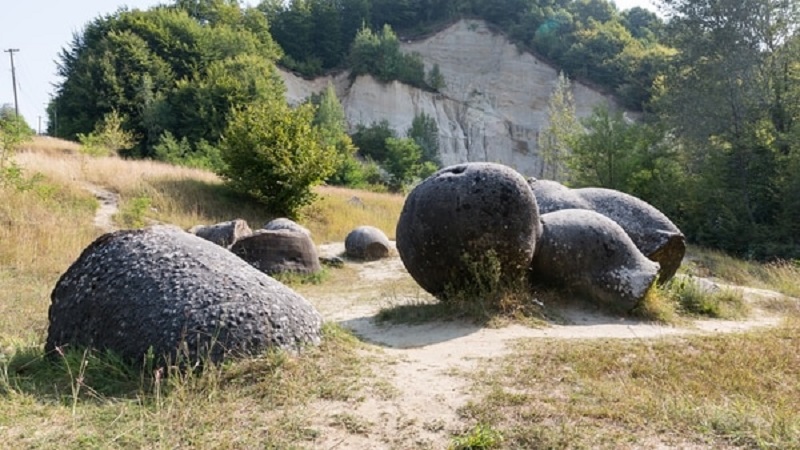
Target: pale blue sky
x=41 y=28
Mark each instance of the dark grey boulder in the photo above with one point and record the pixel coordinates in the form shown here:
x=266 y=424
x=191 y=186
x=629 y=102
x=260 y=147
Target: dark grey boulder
x=463 y=213
x=182 y=296
x=652 y=231
x=283 y=223
x=366 y=242
x=279 y=251
x=591 y=254
x=224 y=234
x=554 y=196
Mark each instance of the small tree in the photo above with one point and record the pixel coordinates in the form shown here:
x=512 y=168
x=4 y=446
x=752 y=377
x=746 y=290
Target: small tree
x=274 y=154
x=108 y=137
x=425 y=132
x=436 y=79
x=555 y=140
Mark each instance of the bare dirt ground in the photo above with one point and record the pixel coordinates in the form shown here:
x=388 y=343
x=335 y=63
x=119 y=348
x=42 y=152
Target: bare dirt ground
x=424 y=364
x=109 y=205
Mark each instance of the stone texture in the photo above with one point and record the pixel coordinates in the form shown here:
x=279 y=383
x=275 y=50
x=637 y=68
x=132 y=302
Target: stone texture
x=367 y=242
x=283 y=223
x=463 y=213
x=223 y=234
x=591 y=254
x=163 y=288
x=652 y=232
x=493 y=107
x=279 y=251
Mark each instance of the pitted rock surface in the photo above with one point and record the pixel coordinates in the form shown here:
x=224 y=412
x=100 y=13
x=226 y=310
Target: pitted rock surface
x=279 y=251
x=167 y=289
x=224 y=234
x=462 y=213
x=283 y=223
x=652 y=231
x=590 y=253
x=368 y=243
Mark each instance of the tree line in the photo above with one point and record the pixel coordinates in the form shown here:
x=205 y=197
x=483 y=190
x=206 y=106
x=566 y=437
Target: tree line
x=717 y=84
x=620 y=52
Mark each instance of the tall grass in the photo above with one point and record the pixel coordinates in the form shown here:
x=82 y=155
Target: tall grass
x=782 y=276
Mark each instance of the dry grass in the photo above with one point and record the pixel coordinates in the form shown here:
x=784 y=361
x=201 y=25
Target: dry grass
x=715 y=391
x=737 y=390
x=339 y=210
x=782 y=276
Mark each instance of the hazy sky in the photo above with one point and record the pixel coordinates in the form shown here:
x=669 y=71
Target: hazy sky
x=41 y=28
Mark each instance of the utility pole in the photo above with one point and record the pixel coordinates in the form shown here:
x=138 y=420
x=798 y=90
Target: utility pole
x=14 y=78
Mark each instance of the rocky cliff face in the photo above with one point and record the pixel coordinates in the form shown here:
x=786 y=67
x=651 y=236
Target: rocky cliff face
x=492 y=109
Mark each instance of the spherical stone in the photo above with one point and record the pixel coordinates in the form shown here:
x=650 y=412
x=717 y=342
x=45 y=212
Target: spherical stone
x=590 y=253
x=461 y=214
x=283 y=223
x=182 y=297
x=367 y=242
x=279 y=251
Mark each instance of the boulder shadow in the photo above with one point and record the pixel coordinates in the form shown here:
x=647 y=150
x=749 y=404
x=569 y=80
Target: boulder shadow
x=373 y=330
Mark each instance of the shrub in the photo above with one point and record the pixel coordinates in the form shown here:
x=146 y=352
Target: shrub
x=273 y=153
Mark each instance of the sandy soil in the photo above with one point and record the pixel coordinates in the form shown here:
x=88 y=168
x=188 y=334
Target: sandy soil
x=109 y=205
x=423 y=363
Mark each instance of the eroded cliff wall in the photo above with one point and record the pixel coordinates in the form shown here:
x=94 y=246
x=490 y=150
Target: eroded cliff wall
x=492 y=109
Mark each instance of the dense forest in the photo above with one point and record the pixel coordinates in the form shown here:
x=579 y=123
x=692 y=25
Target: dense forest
x=718 y=85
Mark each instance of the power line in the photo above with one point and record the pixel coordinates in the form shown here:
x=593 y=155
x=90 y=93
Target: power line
x=11 y=52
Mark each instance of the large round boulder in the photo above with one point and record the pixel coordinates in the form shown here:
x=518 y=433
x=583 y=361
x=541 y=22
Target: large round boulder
x=368 y=243
x=279 y=251
x=283 y=223
x=460 y=215
x=182 y=297
x=652 y=231
x=591 y=254
x=223 y=234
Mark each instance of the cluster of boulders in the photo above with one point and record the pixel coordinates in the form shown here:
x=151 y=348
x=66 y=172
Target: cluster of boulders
x=188 y=297
x=603 y=243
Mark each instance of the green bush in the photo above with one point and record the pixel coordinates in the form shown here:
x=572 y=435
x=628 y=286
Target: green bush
x=273 y=153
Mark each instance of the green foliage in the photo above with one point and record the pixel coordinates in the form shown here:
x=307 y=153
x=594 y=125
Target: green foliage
x=332 y=125
x=730 y=100
x=425 y=133
x=480 y=437
x=176 y=68
x=132 y=213
x=371 y=140
x=13 y=132
x=180 y=152
x=274 y=154
x=402 y=162
x=108 y=137
x=435 y=79
x=379 y=54
x=556 y=140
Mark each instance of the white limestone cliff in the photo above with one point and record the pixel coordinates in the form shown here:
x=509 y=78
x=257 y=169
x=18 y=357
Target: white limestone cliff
x=492 y=109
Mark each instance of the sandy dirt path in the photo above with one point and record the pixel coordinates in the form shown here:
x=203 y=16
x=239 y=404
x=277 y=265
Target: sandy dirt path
x=424 y=364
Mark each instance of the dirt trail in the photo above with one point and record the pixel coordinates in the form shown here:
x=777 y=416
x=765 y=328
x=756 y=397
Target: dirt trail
x=424 y=363
x=109 y=205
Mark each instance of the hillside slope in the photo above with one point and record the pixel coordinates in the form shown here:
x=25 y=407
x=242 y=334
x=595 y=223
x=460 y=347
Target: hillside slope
x=492 y=109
